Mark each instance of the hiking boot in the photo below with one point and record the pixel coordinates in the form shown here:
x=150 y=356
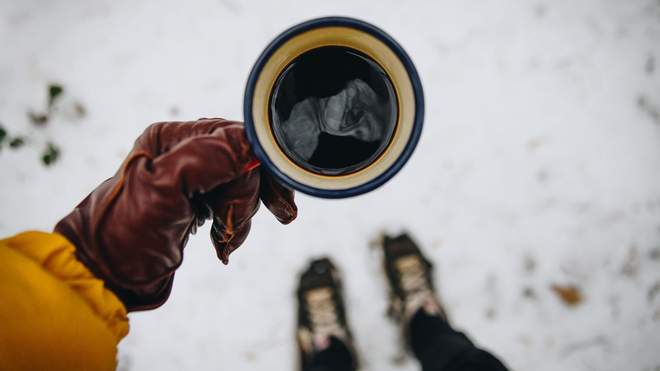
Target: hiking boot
x=321 y=312
x=410 y=278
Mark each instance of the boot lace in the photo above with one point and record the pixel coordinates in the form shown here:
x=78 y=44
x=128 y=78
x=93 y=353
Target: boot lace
x=323 y=314
x=413 y=283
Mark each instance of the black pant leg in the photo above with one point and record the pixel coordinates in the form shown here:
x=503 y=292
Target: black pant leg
x=336 y=357
x=439 y=347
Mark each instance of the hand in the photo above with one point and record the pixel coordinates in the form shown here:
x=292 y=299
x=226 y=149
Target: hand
x=131 y=230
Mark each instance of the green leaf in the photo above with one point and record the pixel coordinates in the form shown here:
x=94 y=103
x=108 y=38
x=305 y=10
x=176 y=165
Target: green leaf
x=50 y=154
x=54 y=91
x=17 y=142
x=3 y=134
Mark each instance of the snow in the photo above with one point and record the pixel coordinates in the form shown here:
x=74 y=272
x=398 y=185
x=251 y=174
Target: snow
x=539 y=165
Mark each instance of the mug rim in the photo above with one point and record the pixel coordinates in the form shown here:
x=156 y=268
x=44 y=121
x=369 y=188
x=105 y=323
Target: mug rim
x=335 y=21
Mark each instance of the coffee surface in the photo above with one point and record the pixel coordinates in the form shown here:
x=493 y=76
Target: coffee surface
x=333 y=110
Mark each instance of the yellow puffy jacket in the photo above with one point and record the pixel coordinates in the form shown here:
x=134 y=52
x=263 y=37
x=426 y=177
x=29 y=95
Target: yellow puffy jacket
x=54 y=313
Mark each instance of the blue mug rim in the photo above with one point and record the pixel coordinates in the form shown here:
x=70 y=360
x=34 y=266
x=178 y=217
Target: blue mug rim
x=329 y=22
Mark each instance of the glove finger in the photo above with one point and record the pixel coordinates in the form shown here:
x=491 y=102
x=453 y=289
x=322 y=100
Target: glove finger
x=160 y=137
x=233 y=206
x=225 y=246
x=278 y=199
x=200 y=164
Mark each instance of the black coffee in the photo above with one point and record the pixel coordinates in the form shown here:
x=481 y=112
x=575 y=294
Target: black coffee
x=333 y=110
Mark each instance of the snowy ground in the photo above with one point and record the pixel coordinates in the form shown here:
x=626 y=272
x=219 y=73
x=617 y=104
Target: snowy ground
x=539 y=165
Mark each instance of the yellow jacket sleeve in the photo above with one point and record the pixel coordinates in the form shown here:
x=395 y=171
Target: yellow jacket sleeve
x=54 y=313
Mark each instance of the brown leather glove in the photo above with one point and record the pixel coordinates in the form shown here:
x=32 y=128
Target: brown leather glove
x=131 y=230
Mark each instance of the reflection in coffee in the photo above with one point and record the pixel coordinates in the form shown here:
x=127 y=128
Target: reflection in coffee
x=333 y=110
